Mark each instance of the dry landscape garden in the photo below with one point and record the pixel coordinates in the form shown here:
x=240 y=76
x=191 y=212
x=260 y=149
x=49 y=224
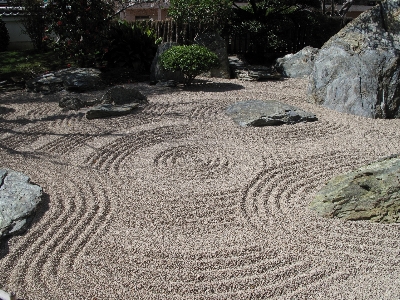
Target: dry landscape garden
x=226 y=180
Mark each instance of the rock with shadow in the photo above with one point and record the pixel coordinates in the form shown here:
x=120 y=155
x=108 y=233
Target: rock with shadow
x=242 y=70
x=18 y=201
x=117 y=101
x=357 y=70
x=71 y=79
x=371 y=192
x=259 y=113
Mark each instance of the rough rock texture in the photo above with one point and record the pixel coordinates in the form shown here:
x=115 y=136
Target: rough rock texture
x=4 y=295
x=75 y=103
x=109 y=110
x=18 y=201
x=296 y=65
x=120 y=95
x=214 y=42
x=267 y=113
x=157 y=73
x=72 y=79
x=240 y=69
x=370 y=193
x=357 y=70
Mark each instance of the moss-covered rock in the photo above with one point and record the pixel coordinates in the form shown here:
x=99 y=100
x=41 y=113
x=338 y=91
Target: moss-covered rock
x=371 y=192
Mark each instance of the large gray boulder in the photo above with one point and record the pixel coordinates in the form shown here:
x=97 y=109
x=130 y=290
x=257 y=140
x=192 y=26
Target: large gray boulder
x=371 y=192
x=297 y=65
x=157 y=73
x=215 y=43
x=357 y=70
x=18 y=201
x=267 y=113
x=71 y=79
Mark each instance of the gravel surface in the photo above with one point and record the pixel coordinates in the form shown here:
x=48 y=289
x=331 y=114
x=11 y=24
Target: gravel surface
x=178 y=202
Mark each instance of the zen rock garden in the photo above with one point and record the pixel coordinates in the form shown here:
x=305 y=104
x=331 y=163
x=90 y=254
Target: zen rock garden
x=355 y=72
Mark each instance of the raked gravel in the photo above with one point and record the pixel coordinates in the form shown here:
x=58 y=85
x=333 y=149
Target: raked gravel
x=176 y=201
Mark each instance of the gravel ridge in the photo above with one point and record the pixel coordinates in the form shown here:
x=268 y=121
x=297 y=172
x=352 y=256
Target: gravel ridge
x=178 y=202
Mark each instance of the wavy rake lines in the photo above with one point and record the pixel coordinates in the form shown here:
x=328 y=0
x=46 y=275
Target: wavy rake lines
x=313 y=131
x=67 y=143
x=113 y=155
x=256 y=276
x=27 y=137
x=156 y=109
x=267 y=199
x=79 y=217
x=204 y=113
x=193 y=160
x=43 y=111
x=70 y=120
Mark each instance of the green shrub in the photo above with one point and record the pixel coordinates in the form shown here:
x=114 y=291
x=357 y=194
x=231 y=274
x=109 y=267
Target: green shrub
x=191 y=60
x=130 y=46
x=4 y=36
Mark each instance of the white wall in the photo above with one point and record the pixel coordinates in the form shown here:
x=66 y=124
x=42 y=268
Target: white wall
x=18 y=40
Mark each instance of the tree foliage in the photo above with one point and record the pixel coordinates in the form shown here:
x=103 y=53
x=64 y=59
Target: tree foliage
x=212 y=14
x=265 y=11
x=34 y=21
x=78 y=27
x=191 y=60
x=130 y=45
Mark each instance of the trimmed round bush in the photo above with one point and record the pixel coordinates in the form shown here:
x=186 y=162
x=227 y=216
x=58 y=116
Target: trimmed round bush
x=4 y=36
x=191 y=60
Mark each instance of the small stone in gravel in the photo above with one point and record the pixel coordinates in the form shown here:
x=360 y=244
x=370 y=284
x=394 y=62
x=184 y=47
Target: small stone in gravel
x=267 y=113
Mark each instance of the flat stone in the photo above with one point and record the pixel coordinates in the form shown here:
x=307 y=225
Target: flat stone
x=71 y=79
x=371 y=193
x=18 y=201
x=267 y=113
x=110 y=110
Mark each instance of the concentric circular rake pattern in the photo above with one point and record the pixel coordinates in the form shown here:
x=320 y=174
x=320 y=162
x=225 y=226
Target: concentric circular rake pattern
x=67 y=143
x=113 y=155
x=271 y=198
x=195 y=161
